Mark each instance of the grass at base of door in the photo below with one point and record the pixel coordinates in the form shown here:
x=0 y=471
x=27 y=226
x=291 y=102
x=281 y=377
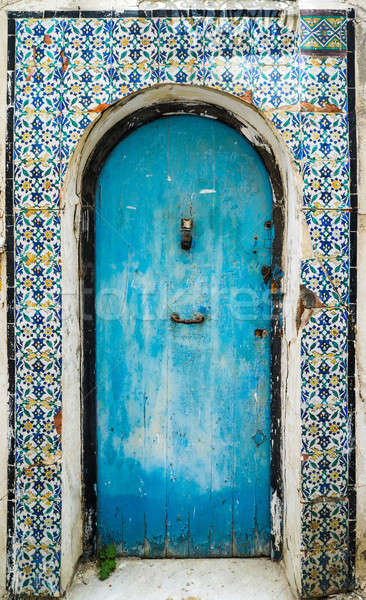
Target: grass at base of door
x=107 y=561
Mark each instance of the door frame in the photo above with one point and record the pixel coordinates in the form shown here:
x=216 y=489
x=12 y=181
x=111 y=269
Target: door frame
x=78 y=200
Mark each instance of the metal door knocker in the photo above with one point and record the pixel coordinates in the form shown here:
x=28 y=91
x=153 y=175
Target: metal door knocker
x=186 y=232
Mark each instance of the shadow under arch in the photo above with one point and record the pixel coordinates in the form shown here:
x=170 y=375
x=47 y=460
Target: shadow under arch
x=78 y=200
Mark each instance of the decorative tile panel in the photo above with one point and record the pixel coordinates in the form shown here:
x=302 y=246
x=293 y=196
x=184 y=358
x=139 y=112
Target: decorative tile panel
x=324 y=136
x=324 y=82
x=329 y=231
x=325 y=525
x=326 y=184
x=69 y=69
x=275 y=39
x=328 y=278
x=323 y=33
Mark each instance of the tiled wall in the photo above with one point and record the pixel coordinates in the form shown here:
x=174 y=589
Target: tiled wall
x=299 y=71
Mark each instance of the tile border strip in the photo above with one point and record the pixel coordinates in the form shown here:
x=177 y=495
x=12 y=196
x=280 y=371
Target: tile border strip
x=353 y=295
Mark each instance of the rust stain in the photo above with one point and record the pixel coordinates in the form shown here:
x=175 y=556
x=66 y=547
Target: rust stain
x=307 y=302
x=261 y=333
x=32 y=67
x=65 y=61
x=305 y=457
x=58 y=422
x=266 y=272
x=327 y=108
x=99 y=108
x=247 y=96
x=47 y=39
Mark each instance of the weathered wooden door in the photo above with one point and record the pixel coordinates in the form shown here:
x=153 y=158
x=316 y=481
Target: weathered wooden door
x=183 y=409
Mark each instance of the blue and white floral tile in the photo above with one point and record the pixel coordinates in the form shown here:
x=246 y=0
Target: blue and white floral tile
x=324 y=474
x=130 y=78
x=326 y=184
x=324 y=572
x=325 y=33
x=38 y=42
x=324 y=380
x=325 y=525
x=85 y=88
x=226 y=38
x=324 y=81
x=87 y=42
x=36 y=184
x=324 y=426
x=135 y=42
x=46 y=326
x=324 y=136
x=275 y=39
x=37 y=232
x=288 y=124
x=37 y=137
x=38 y=508
x=37 y=273
x=38 y=569
x=325 y=332
x=329 y=231
x=276 y=86
x=181 y=54
x=73 y=125
x=234 y=76
x=38 y=89
x=328 y=278
x=37 y=442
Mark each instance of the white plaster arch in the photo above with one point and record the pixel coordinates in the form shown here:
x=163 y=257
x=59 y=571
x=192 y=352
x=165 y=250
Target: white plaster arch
x=260 y=131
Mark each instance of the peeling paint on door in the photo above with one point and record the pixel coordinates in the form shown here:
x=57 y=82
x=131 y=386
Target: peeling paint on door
x=183 y=404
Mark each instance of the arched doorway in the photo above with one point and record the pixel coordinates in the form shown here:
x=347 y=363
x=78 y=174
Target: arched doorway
x=183 y=249
x=79 y=195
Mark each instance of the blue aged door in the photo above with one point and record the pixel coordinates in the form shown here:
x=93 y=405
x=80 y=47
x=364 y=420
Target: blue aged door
x=183 y=409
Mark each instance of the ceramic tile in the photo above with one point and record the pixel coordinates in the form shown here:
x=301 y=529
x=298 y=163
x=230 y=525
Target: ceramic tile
x=130 y=78
x=276 y=86
x=38 y=42
x=38 y=89
x=324 y=428
x=324 y=572
x=328 y=278
x=325 y=525
x=36 y=184
x=73 y=125
x=181 y=50
x=226 y=39
x=324 y=81
x=325 y=333
x=323 y=33
x=329 y=231
x=288 y=124
x=37 y=137
x=88 y=42
x=234 y=76
x=135 y=43
x=85 y=88
x=38 y=569
x=324 y=380
x=37 y=442
x=48 y=327
x=275 y=39
x=326 y=184
x=325 y=136
x=324 y=474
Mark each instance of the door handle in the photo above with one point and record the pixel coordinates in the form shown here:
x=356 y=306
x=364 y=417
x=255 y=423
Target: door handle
x=198 y=319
